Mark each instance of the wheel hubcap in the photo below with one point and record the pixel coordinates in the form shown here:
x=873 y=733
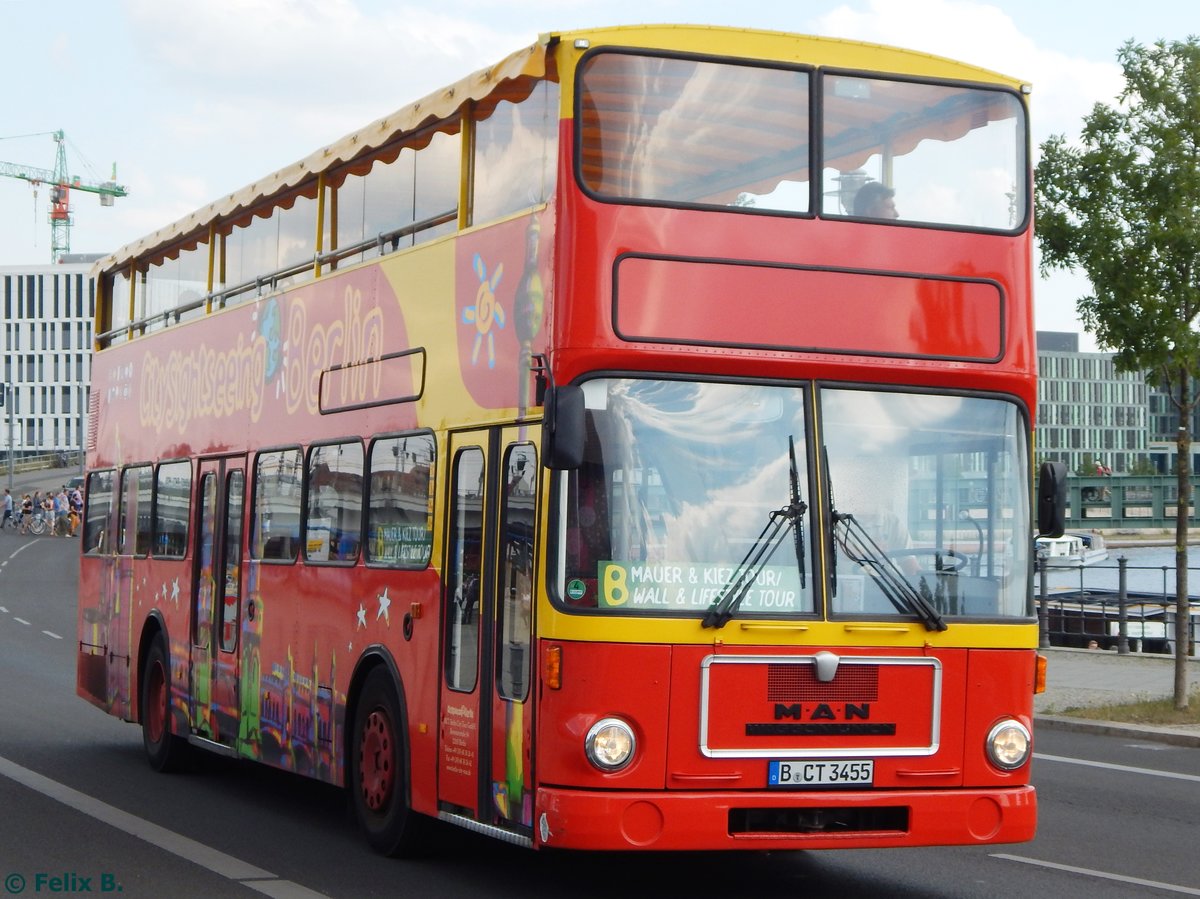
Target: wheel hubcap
x=376 y=762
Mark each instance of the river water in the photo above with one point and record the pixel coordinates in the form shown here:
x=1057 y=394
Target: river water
x=1149 y=570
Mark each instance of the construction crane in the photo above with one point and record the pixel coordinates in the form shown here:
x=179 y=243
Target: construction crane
x=61 y=185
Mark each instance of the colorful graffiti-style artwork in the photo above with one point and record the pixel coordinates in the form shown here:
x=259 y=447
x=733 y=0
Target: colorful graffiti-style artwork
x=512 y=797
x=500 y=317
x=266 y=361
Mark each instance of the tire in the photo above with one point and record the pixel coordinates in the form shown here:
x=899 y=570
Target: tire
x=379 y=772
x=37 y=526
x=164 y=750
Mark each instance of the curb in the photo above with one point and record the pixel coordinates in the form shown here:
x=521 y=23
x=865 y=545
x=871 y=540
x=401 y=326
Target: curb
x=1167 y=735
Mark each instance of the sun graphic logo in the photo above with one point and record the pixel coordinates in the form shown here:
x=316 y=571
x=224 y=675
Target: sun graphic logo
x=486 y=311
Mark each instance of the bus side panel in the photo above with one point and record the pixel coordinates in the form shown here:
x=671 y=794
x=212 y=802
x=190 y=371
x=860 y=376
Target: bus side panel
x=97 y=621
x=311 y=626
x=106 y=643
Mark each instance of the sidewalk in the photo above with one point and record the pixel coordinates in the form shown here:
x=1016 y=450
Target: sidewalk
x=1077 y=678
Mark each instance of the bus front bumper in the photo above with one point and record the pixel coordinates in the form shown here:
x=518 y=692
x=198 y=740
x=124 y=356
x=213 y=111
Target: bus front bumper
x=579 y=819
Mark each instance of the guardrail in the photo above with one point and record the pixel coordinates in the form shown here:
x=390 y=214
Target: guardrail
x=40 y=462
x=1100 y=618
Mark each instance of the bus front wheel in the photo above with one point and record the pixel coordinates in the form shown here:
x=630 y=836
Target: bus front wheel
x=165 y=750
x=379 y=772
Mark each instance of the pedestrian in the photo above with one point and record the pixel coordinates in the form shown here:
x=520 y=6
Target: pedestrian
x=62 y=513
x=76 y=501
x=8 y=510
x=48 y=512
x=26 y=511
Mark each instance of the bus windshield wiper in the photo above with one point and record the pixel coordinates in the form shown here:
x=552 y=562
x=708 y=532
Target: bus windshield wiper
x=759 y=554
x=862 y=549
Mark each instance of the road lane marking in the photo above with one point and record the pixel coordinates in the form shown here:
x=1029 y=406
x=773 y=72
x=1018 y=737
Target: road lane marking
x=52 y=634
x=1128 y=769
x=21 y=621
x=186 y=848
x=1104 y=875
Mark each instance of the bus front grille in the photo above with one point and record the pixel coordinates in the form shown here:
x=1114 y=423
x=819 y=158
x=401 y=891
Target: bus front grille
x=830 y=820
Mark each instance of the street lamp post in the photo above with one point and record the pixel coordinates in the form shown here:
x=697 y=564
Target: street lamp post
x=7 y=395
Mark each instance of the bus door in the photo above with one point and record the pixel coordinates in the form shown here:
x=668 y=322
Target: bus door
x=487 y=620
x=216 y=598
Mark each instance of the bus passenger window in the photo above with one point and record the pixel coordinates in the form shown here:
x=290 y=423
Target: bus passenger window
x=275 y=532
x=135 y=520
x=333 y=520
x=515 y=151
x=172 y=495
x=99 y=496
x=400 y=501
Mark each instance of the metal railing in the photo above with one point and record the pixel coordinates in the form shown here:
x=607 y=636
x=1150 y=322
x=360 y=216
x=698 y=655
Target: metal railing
x=1126 y=501
x=40 y=461
x=1100 y=618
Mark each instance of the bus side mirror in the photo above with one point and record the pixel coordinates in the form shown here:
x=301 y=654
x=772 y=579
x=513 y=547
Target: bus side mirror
x=1052 y=499
x=563 y=428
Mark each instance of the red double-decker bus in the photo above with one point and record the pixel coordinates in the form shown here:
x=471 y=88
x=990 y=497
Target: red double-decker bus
x=627 y=447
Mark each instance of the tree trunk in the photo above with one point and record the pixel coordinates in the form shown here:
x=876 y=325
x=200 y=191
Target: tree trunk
x=1183 y=508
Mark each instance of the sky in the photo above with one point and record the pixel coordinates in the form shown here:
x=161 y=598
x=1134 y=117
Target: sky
x=194 y=99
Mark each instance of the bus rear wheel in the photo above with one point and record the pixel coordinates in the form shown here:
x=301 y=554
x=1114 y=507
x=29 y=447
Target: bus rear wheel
x=164 y=750
x=379 y=772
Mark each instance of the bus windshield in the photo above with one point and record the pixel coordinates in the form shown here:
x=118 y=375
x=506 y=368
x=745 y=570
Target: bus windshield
x=685 y=489
x=678 y=489
x=731 y=134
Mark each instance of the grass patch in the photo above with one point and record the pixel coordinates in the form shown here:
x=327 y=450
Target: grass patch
x=1150 y=711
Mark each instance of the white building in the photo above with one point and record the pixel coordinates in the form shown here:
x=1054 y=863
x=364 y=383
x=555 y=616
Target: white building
x=47 y=311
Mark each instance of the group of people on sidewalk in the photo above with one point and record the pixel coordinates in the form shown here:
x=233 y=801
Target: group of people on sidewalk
x=61 y=511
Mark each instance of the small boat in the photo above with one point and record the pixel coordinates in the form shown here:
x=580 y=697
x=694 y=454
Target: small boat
x=1072 y=550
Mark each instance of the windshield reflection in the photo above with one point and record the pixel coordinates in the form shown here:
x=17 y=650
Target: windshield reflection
x=678 y=481
x=937 y=485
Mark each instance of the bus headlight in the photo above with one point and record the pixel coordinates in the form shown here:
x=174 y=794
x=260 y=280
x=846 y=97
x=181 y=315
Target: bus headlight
x=610 y=744
x=1009 y=744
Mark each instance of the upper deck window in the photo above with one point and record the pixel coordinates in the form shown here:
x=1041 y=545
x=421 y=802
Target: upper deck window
x=698 y=132
x=950 y=155
x=694 y=132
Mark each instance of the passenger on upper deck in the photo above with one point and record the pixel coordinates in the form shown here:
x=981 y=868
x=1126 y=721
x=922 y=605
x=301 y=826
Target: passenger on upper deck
x=875 y=200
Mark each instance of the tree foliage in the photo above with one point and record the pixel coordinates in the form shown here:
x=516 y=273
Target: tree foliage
x=1123 y=205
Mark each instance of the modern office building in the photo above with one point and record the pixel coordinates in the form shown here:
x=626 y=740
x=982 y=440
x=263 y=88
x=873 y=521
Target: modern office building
x=47 y=344
x=1087 y=409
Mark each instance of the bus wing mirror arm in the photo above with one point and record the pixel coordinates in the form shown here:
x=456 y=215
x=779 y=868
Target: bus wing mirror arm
x=1052 y=499
x=563 y=427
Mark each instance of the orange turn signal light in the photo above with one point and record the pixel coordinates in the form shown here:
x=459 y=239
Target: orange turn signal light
x=1039 y=675
x=552 y=667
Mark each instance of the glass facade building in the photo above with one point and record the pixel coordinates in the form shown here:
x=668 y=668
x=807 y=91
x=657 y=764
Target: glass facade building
x=1088 y=409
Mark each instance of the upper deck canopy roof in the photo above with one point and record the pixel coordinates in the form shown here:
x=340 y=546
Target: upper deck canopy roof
x=512 y=78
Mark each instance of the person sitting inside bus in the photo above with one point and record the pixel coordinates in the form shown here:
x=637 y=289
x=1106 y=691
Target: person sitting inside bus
x=875 y=200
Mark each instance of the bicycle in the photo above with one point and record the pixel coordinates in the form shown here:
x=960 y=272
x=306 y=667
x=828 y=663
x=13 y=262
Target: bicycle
x=34 y=524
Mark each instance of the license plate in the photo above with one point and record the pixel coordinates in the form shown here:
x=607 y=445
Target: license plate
x=821 y=773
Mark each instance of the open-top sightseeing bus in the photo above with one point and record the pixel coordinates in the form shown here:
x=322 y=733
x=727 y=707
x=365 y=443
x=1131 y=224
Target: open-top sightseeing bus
x=575 y=456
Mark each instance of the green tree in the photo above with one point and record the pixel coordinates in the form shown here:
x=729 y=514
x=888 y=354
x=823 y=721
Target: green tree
x=1142 y=467
x=1123 y=205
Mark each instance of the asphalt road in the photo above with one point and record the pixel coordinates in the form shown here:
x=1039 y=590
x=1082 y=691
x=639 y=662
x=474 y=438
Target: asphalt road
x=81 y=811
